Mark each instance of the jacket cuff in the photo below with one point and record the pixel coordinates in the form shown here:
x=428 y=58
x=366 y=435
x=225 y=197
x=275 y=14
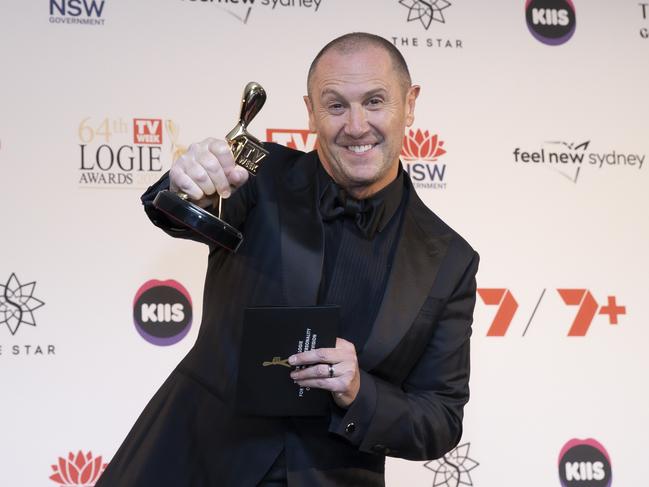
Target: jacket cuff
x=158 y=218
x=352 y=423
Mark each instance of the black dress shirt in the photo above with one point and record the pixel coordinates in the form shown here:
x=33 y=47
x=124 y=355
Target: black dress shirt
x=356 y=268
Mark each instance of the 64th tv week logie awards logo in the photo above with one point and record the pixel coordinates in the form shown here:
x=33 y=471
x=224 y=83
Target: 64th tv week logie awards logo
x=125 y=152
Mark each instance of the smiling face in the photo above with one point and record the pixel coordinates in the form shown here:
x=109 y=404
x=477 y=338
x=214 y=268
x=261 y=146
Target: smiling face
x=359 y=107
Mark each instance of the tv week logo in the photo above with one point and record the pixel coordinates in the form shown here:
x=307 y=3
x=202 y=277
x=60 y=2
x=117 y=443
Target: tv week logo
x=299 y=139
x=147 y=131
x=588 y=309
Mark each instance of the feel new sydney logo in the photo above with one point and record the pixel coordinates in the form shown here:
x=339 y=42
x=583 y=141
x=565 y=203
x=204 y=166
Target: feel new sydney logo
x=569 y=158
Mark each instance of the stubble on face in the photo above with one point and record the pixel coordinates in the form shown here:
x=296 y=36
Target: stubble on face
x=359 y=108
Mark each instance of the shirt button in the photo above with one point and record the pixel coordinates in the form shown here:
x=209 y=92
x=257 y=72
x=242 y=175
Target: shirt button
x=350 y=428
x=379 y=448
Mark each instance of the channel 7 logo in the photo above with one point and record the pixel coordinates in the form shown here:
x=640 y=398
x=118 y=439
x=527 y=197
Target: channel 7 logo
x=587 y=309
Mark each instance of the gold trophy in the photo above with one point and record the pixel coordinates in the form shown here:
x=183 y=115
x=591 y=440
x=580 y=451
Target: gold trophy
x=248 y=153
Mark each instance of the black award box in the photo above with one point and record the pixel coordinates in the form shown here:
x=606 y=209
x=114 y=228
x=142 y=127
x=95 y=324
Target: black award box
x=270 y=336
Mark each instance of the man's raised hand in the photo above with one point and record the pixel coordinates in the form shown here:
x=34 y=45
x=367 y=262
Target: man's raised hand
x=206 y=169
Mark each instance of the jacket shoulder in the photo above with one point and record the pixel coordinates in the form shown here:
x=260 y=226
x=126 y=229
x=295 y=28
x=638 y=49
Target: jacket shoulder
x=280 y=158
x=433 y=226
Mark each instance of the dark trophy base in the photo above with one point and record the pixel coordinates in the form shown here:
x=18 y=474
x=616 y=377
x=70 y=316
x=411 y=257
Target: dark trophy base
x=199 y=220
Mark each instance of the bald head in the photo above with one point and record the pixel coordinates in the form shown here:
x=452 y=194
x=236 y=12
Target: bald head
x=358 y=41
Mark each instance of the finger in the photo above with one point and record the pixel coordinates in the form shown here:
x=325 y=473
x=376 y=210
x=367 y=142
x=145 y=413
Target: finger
x=221 y=150
x=332 y=385
x=201 y=178
x=214 y=172
x=182 y=182
x=316 y=356
x=237 y=176
x=312 y=372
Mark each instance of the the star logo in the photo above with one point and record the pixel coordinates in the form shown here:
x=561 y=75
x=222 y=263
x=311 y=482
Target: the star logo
x=426 y=11
x=17 y=303
x=452 y=470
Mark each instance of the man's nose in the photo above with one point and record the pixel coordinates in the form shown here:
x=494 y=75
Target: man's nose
x=356 y=125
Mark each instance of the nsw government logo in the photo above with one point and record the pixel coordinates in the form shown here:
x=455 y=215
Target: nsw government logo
x=87 y=12
x=584 y=463
x=125 y=152
x=552 y=22
x=419 y=154
x=78 y=470
x=162 y=312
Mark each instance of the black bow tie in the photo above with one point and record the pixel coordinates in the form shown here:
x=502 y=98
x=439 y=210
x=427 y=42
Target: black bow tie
x=336 y=203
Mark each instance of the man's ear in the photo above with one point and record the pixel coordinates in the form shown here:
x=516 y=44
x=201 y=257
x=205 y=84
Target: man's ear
x=411 y=99
x=309 y=109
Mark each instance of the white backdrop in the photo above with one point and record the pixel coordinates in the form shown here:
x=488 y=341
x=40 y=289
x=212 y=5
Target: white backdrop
x=75 y=372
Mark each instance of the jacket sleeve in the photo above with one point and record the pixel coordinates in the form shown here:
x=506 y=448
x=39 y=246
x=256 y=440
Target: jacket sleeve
x=420 y=419
x=235 y=209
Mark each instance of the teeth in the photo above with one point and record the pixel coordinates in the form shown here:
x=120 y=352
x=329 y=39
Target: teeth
x=360 y=148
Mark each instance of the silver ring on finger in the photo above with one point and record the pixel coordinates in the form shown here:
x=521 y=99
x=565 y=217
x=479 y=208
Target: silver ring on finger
x=331 y=371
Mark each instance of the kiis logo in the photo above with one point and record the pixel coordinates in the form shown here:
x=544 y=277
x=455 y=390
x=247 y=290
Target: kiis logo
x=588 y=309
x=568 y=158
x=299 y=139
x=454 y=468
x=80 y=470
x=162 y=312
x=88 y=12
x=585 y=463
x=115 y=152
x=419 y=154
x=552 y=22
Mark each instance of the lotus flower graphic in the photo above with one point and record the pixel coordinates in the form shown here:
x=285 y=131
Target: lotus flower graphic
x=426 y=11
x=79 y=470
x=452 y=470
x=421 y=146
x=17 y=303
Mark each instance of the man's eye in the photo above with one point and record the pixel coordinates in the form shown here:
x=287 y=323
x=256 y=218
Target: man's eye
x=335 y=107
x=375 y=101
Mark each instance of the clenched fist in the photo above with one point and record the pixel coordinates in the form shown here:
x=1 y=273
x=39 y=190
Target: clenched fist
x=206 y=169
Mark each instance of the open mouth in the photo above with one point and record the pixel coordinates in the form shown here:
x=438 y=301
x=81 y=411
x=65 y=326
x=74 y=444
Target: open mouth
x=360 y=149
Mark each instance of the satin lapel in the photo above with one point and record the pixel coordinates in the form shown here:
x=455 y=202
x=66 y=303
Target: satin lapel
x=302 y=235
x=416 y=263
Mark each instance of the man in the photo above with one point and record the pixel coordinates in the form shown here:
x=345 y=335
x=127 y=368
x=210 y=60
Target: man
x=341 y=225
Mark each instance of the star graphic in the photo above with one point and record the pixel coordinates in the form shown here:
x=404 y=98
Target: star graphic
x=17 y=303
x=452 y=470
x=426 y=11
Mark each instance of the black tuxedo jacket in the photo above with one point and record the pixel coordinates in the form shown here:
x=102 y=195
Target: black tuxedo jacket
x=415 y=364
